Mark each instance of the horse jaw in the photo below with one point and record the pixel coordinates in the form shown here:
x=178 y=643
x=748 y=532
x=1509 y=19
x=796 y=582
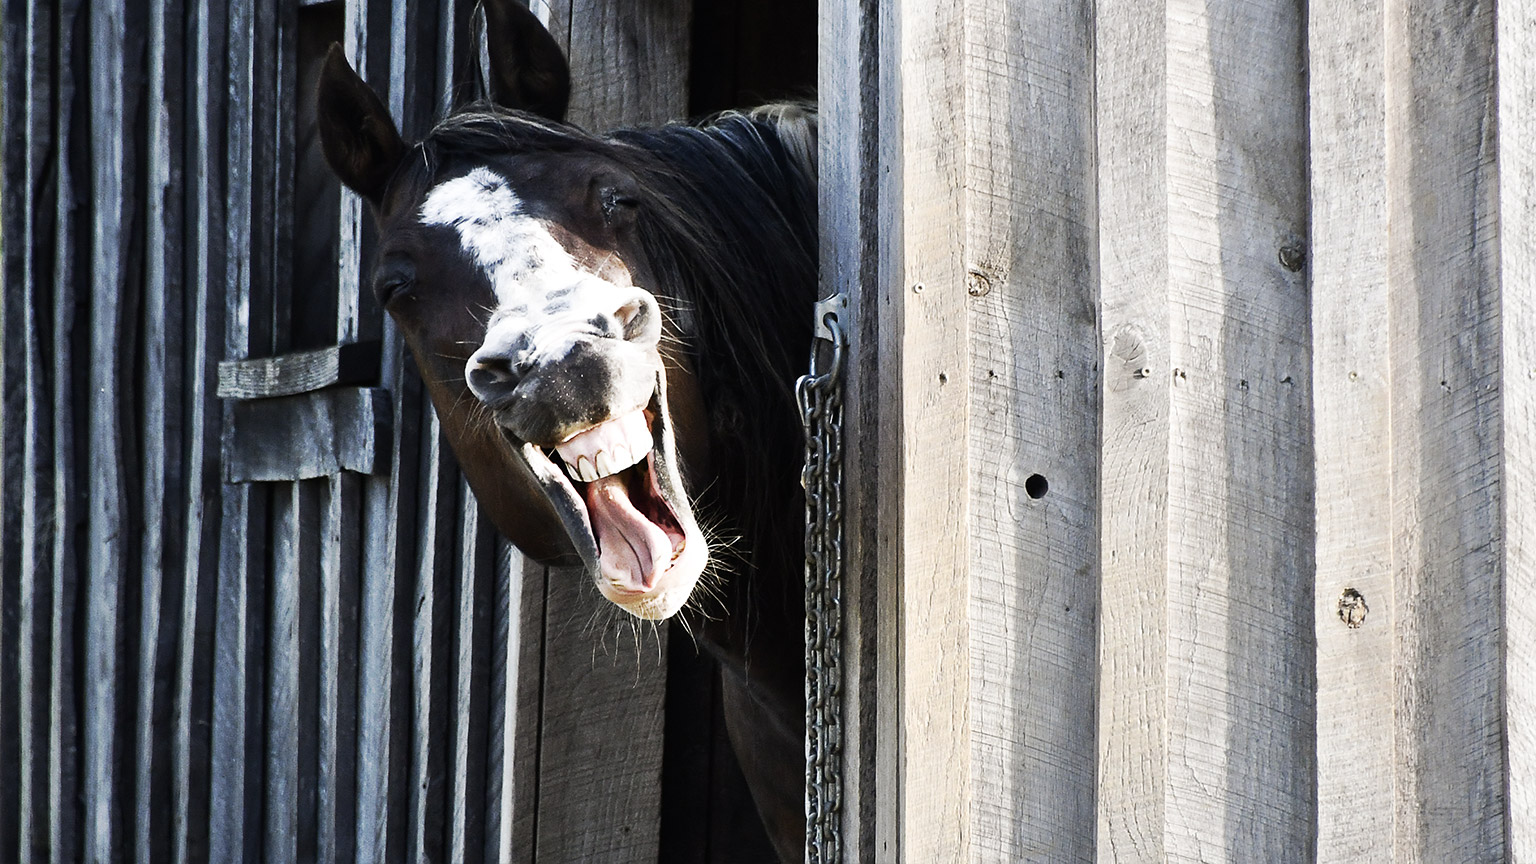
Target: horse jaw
x=657 y=593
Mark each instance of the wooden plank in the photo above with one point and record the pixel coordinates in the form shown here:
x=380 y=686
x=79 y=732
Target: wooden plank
x=16 y=619
x=1448 y=452
x=117 y=39
x=308 y=436
x=348 y=363
x=1351 y=381
x=70 y=225
x=204 y=324
x=293 y=725
x=601 y=730
x=389 y=502
x=25 y=633
x=472 y=621
x=431 y=644
x=1033 y=448
x=526 y=624
x=924 y=299
x=629 y=62
x=1240 y=613
x=849 y=134
x=1516 y=32
x=504 y=772
x=238 y=735
x=340 y=575
x=161 y=384
x=1130 y=60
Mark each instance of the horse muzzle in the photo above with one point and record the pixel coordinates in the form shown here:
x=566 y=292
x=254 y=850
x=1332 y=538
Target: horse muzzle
x=595 y=431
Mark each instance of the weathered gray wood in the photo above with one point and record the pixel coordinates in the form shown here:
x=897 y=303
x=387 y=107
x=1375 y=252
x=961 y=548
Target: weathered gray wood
x=431 y=685
x=204 y=326
x=848 y=187
x=1033 y=461
x=1448 y=451
x=629 y=61
x=1351 y=381
x=299 y=371
x=376 y=42
x=236 y=801
x=1516 y=95
x=16 y=619
x=70 y=226
x=922 y=279
x=340 y=573
x=472 y=620
x=600 y=732
x=1240 y=467
x=308 y=436
x=117 y=36
x=1132 y=724
x=293 y=725
x=528 y=590
x=25 y=629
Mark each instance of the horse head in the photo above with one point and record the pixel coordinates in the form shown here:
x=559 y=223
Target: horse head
x=516 y=274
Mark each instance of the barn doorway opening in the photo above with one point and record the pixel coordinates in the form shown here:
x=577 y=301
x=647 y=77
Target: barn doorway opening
x=743 y=53
x=747 y=52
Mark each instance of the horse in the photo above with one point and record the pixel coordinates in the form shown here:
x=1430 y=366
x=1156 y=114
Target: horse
x=609 y=327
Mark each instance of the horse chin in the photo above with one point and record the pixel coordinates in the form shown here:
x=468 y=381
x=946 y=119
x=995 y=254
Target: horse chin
x=658 y=551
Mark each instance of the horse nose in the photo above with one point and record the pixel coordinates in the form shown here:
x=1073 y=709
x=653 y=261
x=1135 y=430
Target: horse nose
x=639 y=318
x=491 y=375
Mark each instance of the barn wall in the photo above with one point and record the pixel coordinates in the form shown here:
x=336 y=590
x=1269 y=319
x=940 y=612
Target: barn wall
x=1180 y=322
x=249 y=610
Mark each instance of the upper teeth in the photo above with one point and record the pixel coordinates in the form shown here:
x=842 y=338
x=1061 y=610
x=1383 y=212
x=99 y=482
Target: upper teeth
x=606 y=448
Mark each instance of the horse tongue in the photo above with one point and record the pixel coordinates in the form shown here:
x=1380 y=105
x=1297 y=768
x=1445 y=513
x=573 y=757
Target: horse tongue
x=633 y=550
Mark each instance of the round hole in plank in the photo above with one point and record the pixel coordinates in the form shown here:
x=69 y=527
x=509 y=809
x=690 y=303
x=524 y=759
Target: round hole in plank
x=1036 y=486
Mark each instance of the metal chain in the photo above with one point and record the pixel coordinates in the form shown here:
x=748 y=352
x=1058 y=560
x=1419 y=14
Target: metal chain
x=820 y=395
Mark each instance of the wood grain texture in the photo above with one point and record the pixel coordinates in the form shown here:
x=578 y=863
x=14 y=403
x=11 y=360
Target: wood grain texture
x=340 y=576
x=431 y=604
x=160 y=384
x=1033 y=412
x=848 y=194
x=472 y=622
x=600 y=730
x=926 y=336
x=1133 y=722
x=300 y=371
x=1352 y=430
x=629 y=61
x=1516 y=34
x=1447 y=448
x=1240 y=612
x=308 y=436
x=293 y=727
x=117 y=37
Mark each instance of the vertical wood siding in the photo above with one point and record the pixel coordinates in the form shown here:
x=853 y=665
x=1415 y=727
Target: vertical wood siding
x=1191 y=320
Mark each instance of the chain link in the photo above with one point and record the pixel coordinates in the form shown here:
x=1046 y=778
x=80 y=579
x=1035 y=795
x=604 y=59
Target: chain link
x=820 y=395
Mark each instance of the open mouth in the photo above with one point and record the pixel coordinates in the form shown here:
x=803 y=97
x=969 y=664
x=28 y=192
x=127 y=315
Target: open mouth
x=617 y=489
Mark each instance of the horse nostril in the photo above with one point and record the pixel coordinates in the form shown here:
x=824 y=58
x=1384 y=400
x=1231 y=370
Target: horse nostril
x=490 y=378
x=638 y=319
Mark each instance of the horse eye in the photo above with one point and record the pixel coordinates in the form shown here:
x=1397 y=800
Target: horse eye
x=393 y=277
x=619 y=208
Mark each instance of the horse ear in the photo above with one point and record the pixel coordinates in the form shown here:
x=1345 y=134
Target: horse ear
x=360 y=141
x=528 y=70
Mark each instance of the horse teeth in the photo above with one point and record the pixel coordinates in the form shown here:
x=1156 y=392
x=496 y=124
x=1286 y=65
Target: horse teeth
x=606 y=448
x=603 y=461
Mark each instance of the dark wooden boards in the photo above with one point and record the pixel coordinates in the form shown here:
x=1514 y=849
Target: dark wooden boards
x=349 y=363
x=308 y=436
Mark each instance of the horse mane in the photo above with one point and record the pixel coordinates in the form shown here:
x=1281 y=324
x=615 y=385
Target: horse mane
x=728 y=224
